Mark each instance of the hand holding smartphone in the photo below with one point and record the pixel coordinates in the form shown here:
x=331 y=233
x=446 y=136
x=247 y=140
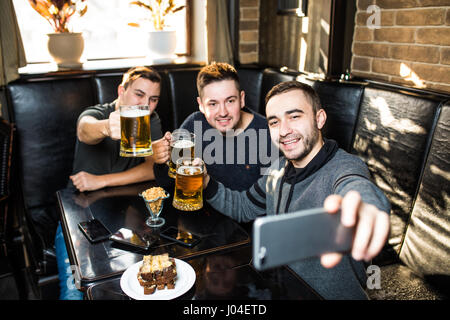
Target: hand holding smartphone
x=285 y=238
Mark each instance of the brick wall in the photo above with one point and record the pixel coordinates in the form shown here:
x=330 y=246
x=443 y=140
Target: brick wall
x=411 y=45
x=248 y=30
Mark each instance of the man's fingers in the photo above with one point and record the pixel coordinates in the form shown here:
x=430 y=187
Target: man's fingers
x=332 y=203
x=330 y=260
x=363 y=235
x=379 y=236
x=350 y=207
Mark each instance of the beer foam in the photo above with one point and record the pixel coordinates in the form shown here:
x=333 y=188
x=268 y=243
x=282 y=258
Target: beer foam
x=182 y=144
x=134 y=113
x=189 y=171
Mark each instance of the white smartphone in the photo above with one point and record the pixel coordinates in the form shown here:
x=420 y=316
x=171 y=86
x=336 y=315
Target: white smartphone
x=285 y=238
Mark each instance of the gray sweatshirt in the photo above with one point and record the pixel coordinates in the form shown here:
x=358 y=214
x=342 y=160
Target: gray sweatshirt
x=342 y=173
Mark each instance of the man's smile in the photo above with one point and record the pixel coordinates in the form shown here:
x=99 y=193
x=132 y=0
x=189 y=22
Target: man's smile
x=223 y=121
x=289 y=142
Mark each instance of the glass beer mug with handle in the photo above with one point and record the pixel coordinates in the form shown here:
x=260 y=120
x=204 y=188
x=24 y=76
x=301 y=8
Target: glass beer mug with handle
x=188 y=195
x=182 y=145
x=135 y=133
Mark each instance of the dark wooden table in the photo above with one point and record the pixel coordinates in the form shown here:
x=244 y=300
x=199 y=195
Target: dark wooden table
x=221 y=260
x=122 y=207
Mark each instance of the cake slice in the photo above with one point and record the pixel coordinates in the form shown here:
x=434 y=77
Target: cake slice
x=157 y=272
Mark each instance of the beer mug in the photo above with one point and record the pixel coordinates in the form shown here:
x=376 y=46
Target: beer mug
x=135 y=133
x=188 y=195
x=182 y=145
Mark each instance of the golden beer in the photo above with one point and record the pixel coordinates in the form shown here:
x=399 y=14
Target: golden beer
x=188 y=195
x=135 y=131
x=179 y=149
x=182 y=145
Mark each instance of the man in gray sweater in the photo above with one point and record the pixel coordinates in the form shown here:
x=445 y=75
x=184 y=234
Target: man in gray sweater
x=313 y=172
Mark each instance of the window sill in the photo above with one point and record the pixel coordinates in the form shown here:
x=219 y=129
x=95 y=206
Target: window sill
x=110 y=65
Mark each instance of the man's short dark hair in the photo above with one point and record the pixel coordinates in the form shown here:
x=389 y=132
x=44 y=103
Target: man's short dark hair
x=307 y=90
x=216 y=71
x=140 y=72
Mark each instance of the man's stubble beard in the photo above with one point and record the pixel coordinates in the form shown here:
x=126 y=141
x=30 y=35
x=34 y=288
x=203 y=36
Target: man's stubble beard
x=309 y=142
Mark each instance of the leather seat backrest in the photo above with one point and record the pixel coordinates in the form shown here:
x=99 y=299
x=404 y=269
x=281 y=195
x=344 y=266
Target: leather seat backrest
x=392 y=132
x=45 y=114
x=271 y=77
x=250 y=80
x=341 y=103
x=426 y=247
x=165 y=108
x=6 y=140
x=183 y=93
x=106 y=87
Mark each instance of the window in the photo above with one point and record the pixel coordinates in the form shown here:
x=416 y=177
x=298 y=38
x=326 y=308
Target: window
x=105 y=30
x=293 y=7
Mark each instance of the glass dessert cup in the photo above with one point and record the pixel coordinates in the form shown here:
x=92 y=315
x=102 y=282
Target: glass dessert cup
x=155 y=206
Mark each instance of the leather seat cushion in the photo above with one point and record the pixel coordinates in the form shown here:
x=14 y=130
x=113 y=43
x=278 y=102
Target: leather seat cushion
x=250 y=80
x=271 y=77
x=392 y=133
x=341 y=103
x=46 y=114
x=183 y=93
x=106 y=86
x=426 y=248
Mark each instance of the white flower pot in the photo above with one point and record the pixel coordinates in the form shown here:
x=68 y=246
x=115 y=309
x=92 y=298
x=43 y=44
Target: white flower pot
x=162 y=45
x=66 y=48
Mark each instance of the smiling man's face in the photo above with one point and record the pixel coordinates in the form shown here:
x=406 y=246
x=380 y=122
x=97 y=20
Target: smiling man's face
x=294 y=128
x=221 y=103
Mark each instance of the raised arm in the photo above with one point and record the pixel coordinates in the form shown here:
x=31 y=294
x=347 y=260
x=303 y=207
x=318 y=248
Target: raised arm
x=92 y=131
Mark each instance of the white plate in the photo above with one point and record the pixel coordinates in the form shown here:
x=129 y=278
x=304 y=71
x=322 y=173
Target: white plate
x=183 y=282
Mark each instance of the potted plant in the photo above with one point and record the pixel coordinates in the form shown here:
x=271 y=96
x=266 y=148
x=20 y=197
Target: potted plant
x=162 y=40
x=65 y=46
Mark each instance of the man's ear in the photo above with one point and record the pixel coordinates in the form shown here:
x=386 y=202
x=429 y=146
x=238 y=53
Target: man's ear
x=120 y=90
x=200 y=105
x=321 y=118
x=242 y=99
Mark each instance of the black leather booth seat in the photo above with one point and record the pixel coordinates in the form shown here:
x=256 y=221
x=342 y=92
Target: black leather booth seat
x=46 y=112
x=401 y=134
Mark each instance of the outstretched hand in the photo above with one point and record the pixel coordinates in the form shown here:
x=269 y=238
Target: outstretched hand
x=114 y=125
x=371 y=227
x=161 y=149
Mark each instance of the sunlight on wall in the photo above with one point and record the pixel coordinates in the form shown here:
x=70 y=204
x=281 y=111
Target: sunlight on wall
x=303 y=44
x=409 y=75
x=325 y=26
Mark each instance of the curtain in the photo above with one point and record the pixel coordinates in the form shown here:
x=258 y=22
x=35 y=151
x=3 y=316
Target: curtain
x=218 y=32
x=11 y=47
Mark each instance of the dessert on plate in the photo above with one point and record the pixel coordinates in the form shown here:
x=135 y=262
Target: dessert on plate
x=157 y=272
